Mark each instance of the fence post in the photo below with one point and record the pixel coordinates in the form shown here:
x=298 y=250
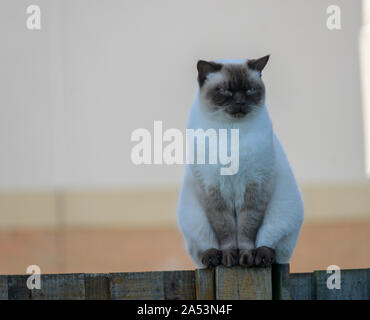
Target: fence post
x=205 y=284
x=3 y=287
x=239 y=283
x=301 y=286
x=354 y=285
x=280 y=282
x=17 y=288
x=60 y=287
x=97 y=286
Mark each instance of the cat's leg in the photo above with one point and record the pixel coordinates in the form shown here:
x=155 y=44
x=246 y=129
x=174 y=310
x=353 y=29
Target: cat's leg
x=280 y=228
x=224 y=225
x=283 y=218
x=249 y=221
x=222 y=221
x=200 y=239
x=284 y=214
x=256 y=198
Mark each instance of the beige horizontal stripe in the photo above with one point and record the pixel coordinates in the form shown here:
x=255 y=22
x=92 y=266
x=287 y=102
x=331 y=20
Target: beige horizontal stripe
x=27 y=209
x=337 y=202
x=127 y=208
x=155 y=207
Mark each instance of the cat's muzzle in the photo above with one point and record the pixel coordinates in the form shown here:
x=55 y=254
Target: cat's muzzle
x=237 y=110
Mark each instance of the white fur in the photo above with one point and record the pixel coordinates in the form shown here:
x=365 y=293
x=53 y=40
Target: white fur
x=260 y=153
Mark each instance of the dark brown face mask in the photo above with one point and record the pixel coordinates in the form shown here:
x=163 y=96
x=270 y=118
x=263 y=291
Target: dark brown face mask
x=240 y=88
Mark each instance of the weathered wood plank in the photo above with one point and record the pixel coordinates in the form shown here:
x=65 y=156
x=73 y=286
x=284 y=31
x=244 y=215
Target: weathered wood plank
x=97 y=286
x=179 y=285
x=219 y=283
x=60 y=287
x=239 y=283
x=137 y=285
x=3 y=287
x=226 y=283
x=205 y=284
x=280 y=282
x=355 y=285
x=17 y=287
x=301 y=286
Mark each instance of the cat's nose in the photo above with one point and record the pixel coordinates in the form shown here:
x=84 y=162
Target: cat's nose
x=239 y=99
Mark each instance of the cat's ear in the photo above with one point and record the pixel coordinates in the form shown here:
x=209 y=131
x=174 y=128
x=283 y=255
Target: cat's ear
x=205 y=68
x=258 y=64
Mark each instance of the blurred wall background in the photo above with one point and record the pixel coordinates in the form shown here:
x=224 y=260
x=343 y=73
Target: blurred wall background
x=72 y=93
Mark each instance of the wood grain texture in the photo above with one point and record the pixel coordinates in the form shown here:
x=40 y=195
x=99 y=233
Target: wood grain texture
x=235 y=283
x=205 y=284
x=17 y=288
x=137 y=285
x=60 y=287
x=301 y=286
x=179 y=285
x=355 y=285
x=97 y=286
x=280 y=282
x=3 y=287
x=239 y=283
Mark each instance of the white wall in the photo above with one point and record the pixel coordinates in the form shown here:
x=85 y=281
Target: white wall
x=72 y=93
x=26 y=157
x=365 y=77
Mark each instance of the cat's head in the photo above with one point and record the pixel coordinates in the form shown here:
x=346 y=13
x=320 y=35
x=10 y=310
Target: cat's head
x=232 y=90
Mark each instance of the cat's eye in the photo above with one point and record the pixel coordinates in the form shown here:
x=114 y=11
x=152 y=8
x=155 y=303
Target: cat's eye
x=225 y=92
x=251 y=91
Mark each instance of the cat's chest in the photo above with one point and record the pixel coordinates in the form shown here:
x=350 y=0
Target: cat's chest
x=255 y=168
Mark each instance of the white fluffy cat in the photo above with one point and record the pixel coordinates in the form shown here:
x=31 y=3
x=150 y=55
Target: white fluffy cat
x=253 y=217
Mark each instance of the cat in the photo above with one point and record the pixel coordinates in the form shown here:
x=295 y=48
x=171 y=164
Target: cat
x=251 y=218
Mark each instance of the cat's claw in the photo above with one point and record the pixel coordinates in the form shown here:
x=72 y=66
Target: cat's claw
x=265 y=257
x=246 y=257
x=229 y=257
x=211 y=258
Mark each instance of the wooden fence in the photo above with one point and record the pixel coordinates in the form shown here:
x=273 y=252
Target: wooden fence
x=202 y=284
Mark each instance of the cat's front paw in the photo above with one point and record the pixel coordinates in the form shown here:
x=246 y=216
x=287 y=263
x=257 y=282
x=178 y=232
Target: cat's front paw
x=230 y=257
x=265 y=257
x=211 y=258
x=246 y=257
